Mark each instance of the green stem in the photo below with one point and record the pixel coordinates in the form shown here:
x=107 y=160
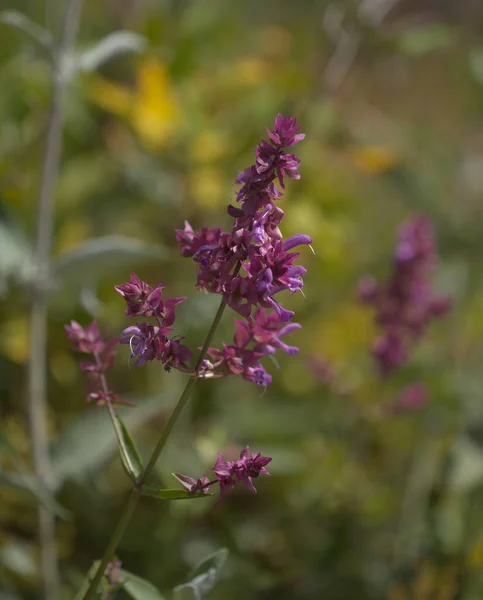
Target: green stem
x=113 y=543
x=135 y=494
x=185 y=396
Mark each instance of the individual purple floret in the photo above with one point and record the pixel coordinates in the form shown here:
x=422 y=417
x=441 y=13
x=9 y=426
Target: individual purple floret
x=405 y=304
x=229 y=473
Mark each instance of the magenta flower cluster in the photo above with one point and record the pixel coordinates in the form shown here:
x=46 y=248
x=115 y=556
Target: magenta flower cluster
x=150 y=341
x=229 y=473
x=248 y=267
x=252 y=263
x=405 y=304
x=89 y=341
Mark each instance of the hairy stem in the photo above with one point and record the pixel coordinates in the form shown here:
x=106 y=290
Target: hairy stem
x=38 y=312
x=135 y=494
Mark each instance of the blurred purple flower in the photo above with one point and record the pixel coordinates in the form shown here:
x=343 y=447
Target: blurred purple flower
x=405 y=304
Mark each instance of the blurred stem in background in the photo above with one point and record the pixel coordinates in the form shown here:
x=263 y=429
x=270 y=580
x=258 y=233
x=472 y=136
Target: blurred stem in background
x=38 y=311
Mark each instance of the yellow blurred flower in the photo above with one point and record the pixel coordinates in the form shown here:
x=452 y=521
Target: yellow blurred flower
x=345 y=333
x=276 y=41
x=152 y=108
x=73 y=233
x=63 y=367
x=251 y=71
x=15 y=340
x=209 y=146
x=375 y=159
x=207 y=186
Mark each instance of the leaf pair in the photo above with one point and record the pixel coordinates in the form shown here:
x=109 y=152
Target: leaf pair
x=133 y=466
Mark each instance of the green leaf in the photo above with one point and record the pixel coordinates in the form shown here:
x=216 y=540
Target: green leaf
x=129 y=455
x=99 y=256
x=467 y=466
x=138 y=588
x=419 y=41
x=156 y=492
x=203 y=578
x=18 y=557
x=15 y=255
x=19 y=21
x=114 y=44
x=32 y=485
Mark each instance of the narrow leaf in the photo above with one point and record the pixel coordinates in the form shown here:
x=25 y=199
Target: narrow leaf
x=129 y=455
x=19 y=21
x=138 y=588
x=87 y=443
x=15 y=255
x=114 y=44
x=98 y=256
x=32 y=485
x=156 y=492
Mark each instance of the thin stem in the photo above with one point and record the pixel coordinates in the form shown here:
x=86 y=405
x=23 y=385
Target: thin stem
x=38 y=312
x=110 y=408
x=185 y=396
x=135 y=494
x=113 y=542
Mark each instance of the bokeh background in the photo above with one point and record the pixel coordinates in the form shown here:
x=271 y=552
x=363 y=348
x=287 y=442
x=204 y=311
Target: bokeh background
x=364 y=502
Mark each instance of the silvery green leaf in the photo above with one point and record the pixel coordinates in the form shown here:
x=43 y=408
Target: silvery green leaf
x=32 y=485
x=114 y=44
x=98 y=256
x=18 y=557
x=203 y=577
x=138 y=588
x=22 y=23
x=467 y=466
x=15 y=256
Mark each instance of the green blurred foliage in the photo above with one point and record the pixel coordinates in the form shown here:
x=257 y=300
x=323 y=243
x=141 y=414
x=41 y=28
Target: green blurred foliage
x=361 y=504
